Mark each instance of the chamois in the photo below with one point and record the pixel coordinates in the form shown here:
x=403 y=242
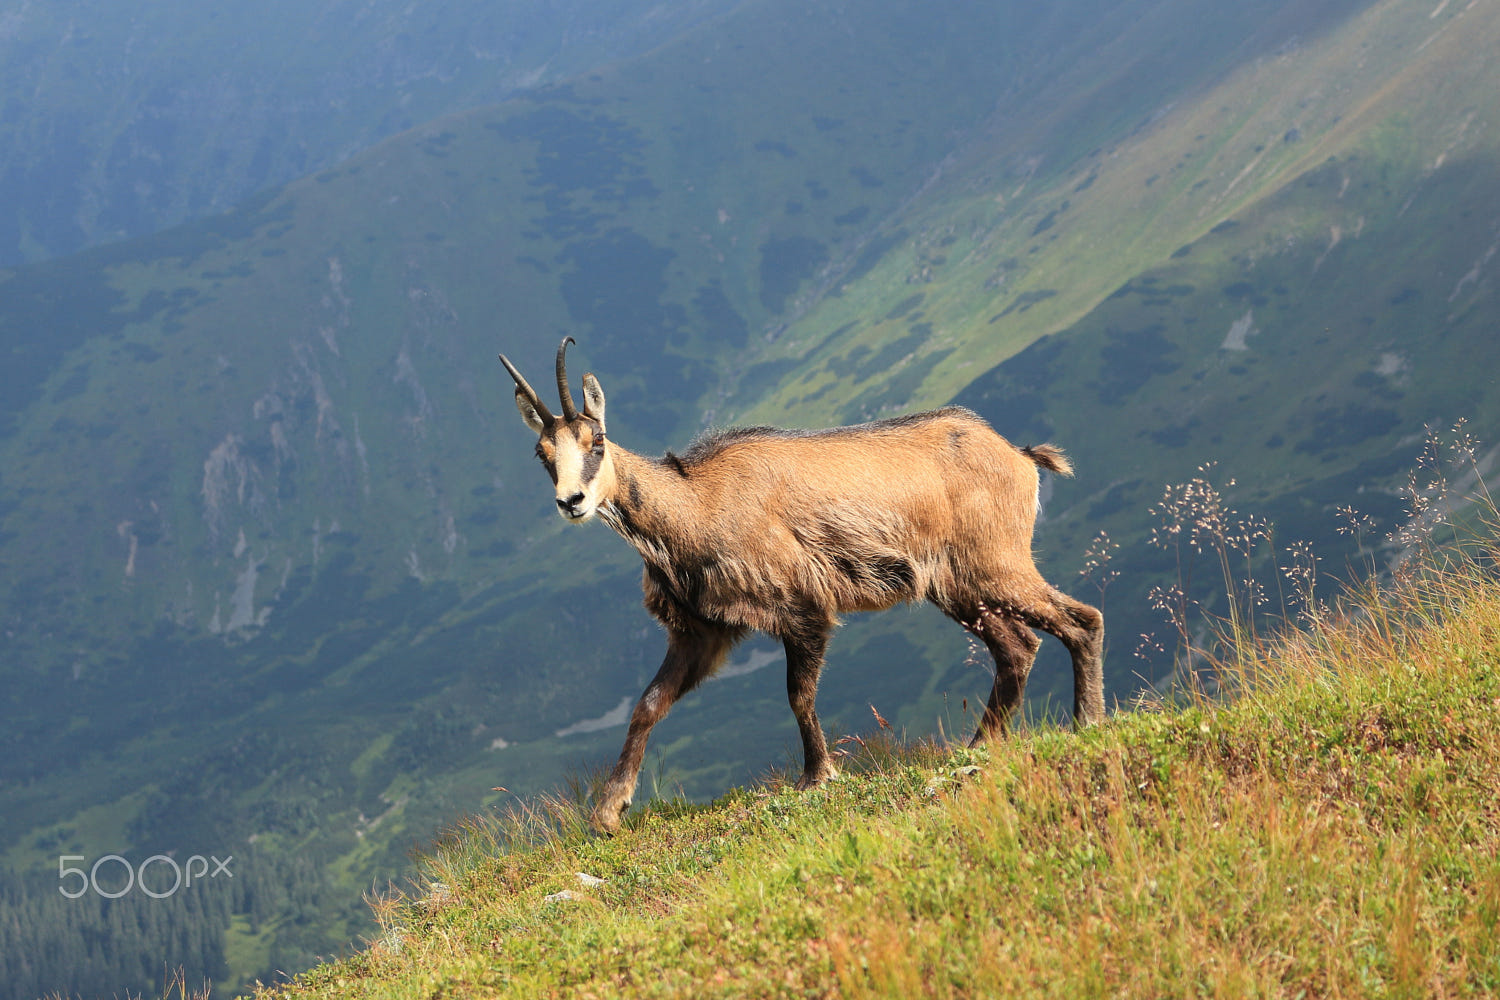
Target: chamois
x=781 y=531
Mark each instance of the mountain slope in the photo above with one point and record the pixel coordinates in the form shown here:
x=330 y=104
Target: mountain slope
x=278 y=563
x=117 y=120
x=1288 y=272
x=1060 y=213
x=271 y=387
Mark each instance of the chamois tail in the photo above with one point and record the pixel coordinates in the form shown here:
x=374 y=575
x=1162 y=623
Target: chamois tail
x=1050 y=458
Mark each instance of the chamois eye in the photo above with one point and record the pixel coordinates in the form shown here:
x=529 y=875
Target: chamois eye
x=541 y=456
x=598 y=448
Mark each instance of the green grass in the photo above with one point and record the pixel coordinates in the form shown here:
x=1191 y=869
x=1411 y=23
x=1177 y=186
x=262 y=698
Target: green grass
x=1330 y=830
x=457 y=239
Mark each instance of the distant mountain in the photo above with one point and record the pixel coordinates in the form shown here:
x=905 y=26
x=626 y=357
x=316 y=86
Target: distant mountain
x=121 y=119
x=1284 y=269
x=278 y=565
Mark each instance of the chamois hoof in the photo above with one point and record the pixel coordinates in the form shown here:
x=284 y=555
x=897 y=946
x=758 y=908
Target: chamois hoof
x=812 y=779
x=606 y=816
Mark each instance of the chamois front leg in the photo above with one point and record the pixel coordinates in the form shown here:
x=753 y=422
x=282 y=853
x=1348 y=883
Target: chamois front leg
x=804 y=663
x=691 y=656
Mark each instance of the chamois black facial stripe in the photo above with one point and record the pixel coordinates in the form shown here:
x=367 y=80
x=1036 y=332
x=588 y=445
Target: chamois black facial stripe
x=593 y=456
x=591 y=465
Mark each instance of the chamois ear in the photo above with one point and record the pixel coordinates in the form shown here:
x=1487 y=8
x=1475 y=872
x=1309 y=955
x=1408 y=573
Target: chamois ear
x=528 y=411
x=593 y=399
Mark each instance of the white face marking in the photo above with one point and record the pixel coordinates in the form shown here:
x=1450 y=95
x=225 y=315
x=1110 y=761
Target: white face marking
x=577 y=498
x=569 y=465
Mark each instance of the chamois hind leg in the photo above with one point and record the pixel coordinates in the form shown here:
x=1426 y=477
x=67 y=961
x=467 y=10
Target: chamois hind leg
x=804 y=664
x=691 y=657
x=1014 y=648
x=1081 y=629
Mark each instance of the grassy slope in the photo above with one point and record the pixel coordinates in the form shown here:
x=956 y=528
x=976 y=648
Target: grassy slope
x=1332 y=831
x=447 y=245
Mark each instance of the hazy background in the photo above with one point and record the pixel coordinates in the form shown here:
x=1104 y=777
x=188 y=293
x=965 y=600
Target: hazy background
x=279 y=579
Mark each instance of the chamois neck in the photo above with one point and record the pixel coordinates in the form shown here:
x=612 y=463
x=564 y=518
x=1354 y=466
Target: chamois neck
x=649 y=494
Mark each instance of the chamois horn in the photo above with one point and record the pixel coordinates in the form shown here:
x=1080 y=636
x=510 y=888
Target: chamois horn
x=529 y=392
x=569 y=412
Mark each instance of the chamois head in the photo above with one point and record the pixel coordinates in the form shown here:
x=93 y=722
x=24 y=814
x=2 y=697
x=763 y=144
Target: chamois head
x=571 y=445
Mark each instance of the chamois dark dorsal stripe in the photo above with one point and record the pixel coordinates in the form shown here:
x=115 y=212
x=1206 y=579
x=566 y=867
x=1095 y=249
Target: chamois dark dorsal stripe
x=711 y=443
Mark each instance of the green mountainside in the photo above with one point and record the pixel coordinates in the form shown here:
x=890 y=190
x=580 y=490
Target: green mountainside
x=120 y=119
x=281 y=577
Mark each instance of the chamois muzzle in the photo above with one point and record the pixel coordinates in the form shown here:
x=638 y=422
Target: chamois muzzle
x=569 y=505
